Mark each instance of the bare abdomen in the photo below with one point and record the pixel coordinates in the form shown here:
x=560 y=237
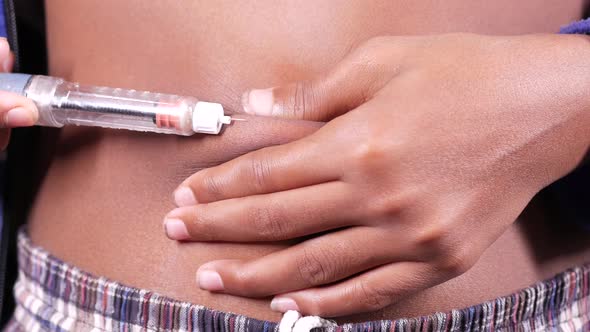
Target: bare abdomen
x=105 y=194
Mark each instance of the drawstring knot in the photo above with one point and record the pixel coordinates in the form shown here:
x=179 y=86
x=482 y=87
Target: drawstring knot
x=292 y=321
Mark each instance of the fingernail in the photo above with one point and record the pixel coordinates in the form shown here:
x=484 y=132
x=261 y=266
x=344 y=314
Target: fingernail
x=209 y=280
x=283 y=304
x=258 y=101
x=176 y=229
x=184 y=196
x=18 y=117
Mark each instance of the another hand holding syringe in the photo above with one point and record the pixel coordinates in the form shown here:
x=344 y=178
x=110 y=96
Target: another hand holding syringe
x=15 y=110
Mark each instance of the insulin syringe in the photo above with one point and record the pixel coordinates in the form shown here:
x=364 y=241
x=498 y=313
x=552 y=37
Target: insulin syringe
x=65 y=103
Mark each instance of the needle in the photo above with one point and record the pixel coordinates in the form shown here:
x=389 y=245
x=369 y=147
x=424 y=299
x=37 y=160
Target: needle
x=238 y=119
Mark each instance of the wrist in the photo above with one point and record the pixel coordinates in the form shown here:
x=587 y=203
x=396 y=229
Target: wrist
x=585 y=45
x=568 y=74
x=579 y=32
x=580 y=46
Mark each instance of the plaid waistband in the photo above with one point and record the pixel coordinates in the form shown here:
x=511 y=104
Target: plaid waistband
x=54 y=296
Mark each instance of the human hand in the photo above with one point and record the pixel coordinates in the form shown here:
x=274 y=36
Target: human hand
x=15 y=110
x=433 y=147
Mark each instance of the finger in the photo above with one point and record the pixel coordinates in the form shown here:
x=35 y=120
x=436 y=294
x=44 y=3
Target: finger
x=352 y=82
x=8 y=63
x=4 y=138
x=6 y=58
x=16 y=111
x=318 y=261
x=272 y=217
x=319 y=99
x=296 y=164
x=370 y=291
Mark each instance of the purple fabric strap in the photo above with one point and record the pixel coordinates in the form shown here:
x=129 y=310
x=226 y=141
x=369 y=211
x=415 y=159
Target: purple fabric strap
x=580 y=27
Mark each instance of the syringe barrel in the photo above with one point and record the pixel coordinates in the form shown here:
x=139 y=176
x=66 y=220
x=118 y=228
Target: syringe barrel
x=65 y=103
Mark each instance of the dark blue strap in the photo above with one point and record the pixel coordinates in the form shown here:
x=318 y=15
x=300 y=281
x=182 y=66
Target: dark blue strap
x=580 y=27
x=3 y=32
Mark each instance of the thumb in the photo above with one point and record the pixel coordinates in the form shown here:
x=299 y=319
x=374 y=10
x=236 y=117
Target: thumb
x=17 y=111
x=319 y=99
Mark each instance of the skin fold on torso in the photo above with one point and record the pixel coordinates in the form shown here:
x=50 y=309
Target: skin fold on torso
x=102 y=202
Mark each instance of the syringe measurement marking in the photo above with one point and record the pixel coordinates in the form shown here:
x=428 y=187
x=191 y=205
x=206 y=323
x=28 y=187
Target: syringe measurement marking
x=107 y=108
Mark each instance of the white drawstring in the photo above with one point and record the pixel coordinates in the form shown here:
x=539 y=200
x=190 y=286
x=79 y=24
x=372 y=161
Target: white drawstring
x=292 y=321
x=288 y=321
